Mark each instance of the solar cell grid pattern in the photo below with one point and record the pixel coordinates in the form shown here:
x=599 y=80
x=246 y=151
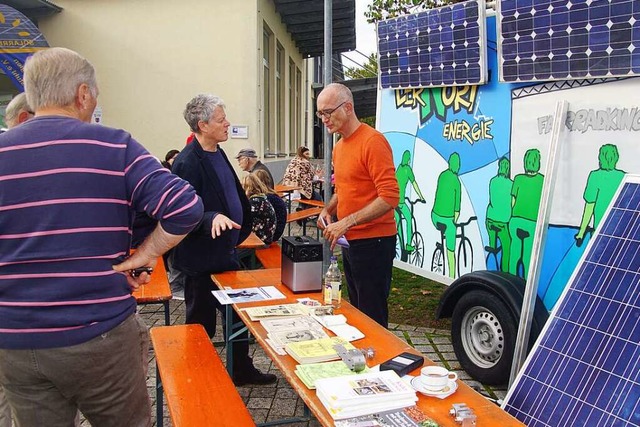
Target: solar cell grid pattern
x=568 y=39
x=585 y=371
x=438 y=47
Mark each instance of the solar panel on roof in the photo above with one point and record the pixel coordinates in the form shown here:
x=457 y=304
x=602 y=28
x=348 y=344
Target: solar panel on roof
x=439 y=47
x=568 y=39
x=585 y=368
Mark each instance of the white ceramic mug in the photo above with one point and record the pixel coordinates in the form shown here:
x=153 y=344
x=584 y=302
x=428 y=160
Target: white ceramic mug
x=436 y=377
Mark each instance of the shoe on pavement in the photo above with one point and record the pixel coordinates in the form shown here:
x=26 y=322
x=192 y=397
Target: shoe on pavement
x=253 y=376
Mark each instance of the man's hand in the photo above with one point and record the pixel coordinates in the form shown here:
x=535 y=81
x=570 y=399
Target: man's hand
x=332 y=232
x=222 y=223
x=138 y=259
x=324 y=219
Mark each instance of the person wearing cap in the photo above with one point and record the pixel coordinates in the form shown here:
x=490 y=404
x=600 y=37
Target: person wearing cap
x=248 y=162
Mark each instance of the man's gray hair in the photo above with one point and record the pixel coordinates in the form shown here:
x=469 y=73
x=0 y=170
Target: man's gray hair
x=17 y=104
x=201 y=108
x=52 y=77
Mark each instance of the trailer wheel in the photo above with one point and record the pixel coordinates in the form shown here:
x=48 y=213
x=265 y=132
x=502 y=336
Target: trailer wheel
x=484 y=334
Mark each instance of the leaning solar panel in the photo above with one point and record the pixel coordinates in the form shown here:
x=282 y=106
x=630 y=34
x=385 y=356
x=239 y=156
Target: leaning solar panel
x=568 y=39
x=585 y=367
x=439 y=47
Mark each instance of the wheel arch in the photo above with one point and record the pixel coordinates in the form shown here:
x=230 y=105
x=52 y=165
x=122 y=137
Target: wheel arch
x=507 y=287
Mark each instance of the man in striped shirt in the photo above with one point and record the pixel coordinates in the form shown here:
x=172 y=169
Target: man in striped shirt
x=69 y=336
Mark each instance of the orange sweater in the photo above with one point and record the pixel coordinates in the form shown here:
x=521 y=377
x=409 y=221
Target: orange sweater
x=364 y=170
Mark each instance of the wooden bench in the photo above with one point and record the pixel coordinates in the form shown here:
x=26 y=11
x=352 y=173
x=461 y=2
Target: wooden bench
x=311 y=202
x=198 y=388
x=157 y=291
x=271 y=256
x=303 y=215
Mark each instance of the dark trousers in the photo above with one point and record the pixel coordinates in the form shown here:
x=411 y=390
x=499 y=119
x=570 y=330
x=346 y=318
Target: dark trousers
x=368 y=264
x=201 y=308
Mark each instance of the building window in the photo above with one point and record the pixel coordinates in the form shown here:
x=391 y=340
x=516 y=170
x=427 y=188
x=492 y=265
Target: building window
x=293 y=142
x=299 y=106
x=268 y=142
x=280 y=107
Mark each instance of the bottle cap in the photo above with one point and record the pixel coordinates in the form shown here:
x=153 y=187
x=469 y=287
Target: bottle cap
x=334 y=258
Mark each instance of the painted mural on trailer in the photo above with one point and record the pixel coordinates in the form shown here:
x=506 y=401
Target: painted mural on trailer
x=470 y=163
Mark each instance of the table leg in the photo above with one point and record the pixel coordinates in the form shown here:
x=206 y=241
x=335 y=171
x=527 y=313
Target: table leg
x=167 y=318
x=228 y=324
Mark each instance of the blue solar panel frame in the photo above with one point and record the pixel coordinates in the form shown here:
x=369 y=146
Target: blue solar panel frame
x=585 y=367
x=568 y=39
x=439 y=47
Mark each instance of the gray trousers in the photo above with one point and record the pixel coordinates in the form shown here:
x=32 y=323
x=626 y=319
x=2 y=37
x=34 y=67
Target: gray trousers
x=5 y=410
x=104 y=378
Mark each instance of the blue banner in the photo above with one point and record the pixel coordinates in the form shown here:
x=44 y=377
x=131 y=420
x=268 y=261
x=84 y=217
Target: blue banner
x=19 y=38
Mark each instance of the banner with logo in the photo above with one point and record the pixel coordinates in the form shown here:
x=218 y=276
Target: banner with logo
x=19 y=38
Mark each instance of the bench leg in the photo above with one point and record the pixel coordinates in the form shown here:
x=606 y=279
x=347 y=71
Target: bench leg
x=159 y=400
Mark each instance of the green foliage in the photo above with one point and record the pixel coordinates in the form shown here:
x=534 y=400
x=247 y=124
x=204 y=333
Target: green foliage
x=369 y=69
x=380 y=10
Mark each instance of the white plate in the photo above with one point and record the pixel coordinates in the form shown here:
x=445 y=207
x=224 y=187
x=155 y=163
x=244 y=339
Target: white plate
x=452 y=386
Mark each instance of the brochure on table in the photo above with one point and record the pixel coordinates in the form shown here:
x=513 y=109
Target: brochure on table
x=316 y=351
x=339 y=326
x=406 y=417
x=312 y=372
x=362 y=394
x=238 y=296
x=280 y=332
x=274 y=311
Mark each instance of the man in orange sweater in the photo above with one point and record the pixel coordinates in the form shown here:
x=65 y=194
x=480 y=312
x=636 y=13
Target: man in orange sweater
x=366 y=194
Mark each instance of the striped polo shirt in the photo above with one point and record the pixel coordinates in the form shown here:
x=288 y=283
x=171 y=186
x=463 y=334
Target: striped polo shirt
x=68 y=192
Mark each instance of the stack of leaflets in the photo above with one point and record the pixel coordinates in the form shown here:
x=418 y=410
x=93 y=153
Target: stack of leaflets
x=407 y=417
x=282 y=331
x=312 y=372
x=274 y=311
x=339 y=326
x=316 y=351
x=363 y=394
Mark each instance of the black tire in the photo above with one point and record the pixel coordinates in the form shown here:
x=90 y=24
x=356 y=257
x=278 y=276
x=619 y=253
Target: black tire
x=437 y=261
x=464 y=262
x=417 y=256
x=483 y=332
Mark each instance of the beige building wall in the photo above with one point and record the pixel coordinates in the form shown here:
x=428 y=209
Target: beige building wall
x=153 y=56
x=268 y=16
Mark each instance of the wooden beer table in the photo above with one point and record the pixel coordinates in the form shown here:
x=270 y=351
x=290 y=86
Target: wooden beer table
x=251 y=242
x=385 y=343
x=157 y=291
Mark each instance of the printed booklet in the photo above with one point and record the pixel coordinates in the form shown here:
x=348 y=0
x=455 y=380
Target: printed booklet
x=363 y=394
x=407 y=417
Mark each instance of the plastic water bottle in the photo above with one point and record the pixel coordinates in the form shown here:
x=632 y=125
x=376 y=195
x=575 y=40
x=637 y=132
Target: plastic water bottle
x=332 y=282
